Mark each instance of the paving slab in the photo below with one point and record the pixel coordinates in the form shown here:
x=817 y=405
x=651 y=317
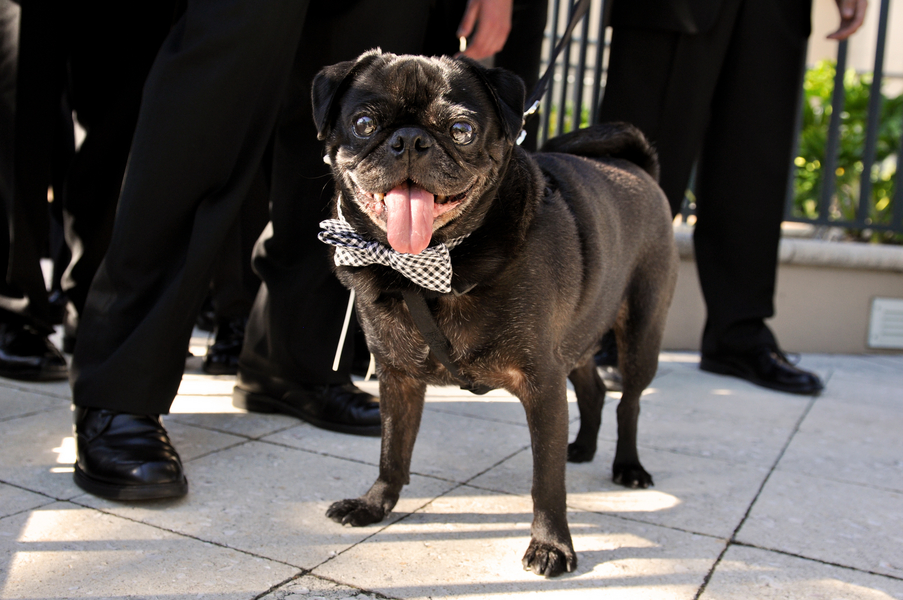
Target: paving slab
x=309 y=587
x=449 y=446
x=14 y=500
x=201 y=384
x=894 y=361
x=63 y=551
x=855 y=364
x=47 y=389
x=271 y=501
x=217 y=413
x=497 y=405
x=754 y=574
x=469 y=543
x=692 y=413
x=850 y=441
x=840 y=523
x=193 y=442
x=695 y=494
x=17 y=401
x=826 y=525
x=873 y=389
x=38 y=453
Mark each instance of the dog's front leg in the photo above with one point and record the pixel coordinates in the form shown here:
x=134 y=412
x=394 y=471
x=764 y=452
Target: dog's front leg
x=551 y=551
x=401 y=407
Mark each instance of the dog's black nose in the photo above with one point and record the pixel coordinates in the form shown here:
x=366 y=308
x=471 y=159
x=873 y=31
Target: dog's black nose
x=410 y=139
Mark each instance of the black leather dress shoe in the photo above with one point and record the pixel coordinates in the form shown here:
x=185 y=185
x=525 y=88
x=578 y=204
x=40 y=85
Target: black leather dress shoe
x=222 y=355
x=126 y=457
x=767 y=367
x=27 y=355
x=57 y=300
x=342 y=407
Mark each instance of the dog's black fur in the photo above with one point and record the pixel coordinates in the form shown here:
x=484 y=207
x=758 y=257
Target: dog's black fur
x=562 y=246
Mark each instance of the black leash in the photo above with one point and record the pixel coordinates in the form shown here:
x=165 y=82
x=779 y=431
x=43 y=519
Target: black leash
x=416 y=303
x=533 y=100
x=438 y=343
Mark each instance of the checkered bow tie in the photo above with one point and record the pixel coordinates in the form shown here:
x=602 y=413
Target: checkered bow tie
x=430 y=269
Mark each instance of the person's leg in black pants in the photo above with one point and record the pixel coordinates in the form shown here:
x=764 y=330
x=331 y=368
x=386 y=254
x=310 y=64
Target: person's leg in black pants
x=234 y=284
x=108 y=63
x=743 y=173
x=32 y=91
x=9 y=58
x=742 y=177
x=207 y=114
x=295 y=326
x=727 y=96
x=662 y=82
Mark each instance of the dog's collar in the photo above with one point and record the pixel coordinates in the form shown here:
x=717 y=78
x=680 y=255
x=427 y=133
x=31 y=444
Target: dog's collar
x=431 y=269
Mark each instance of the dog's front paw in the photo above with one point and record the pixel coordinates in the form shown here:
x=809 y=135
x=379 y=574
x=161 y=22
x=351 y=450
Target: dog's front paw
x=631 y=475
x=549 y=560
x=578 y=453
x=355 y=512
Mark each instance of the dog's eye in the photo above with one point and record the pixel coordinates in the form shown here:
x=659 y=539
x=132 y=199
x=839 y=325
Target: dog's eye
x=462 y=132
x=364 y=126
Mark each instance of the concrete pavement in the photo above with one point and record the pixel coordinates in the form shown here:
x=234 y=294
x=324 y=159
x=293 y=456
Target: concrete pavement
x=757 y=495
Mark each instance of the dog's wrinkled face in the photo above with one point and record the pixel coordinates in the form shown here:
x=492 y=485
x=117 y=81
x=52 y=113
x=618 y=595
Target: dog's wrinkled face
x=416 y=144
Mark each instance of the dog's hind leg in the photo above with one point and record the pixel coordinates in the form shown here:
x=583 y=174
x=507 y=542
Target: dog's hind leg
x=551 y=551
x=401 y=407
x=590 y=391
x=639 y=330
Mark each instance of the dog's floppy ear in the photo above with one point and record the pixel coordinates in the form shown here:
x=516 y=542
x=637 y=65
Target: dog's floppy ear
x=508 y=93
x=329 y=85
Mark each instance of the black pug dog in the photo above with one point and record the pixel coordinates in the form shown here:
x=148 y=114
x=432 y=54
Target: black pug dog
x=547 y=252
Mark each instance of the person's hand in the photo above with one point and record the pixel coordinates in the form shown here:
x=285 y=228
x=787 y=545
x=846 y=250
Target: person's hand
x=492 y=19
x=852 y=12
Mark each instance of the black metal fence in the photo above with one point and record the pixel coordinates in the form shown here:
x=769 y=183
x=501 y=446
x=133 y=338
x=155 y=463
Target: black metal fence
x=579 y=82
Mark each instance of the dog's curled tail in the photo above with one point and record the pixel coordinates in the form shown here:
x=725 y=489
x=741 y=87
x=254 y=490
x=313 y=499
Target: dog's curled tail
x=608 y=140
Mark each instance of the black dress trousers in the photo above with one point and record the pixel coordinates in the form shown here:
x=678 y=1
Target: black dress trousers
x=726 y=95
x=296 y=322
x=209 y=111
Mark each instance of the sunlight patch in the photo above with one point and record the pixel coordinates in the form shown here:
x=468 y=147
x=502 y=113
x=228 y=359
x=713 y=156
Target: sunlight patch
x=627 y=500
x=65 y=451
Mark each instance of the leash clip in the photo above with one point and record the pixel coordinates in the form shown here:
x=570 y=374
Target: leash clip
x=523 y=133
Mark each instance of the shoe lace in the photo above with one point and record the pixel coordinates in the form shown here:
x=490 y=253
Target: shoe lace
x=792 y=358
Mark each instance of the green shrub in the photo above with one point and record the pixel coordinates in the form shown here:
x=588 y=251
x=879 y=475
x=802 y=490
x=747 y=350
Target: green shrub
x=817 y=88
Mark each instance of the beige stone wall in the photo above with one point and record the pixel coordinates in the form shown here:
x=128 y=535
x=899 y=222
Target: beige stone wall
x=823 y=299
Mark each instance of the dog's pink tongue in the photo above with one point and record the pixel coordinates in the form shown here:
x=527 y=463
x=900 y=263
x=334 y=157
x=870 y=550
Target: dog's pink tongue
x=409 y=218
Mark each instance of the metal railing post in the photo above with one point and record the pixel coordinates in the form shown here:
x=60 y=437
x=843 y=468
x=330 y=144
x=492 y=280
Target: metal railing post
x=874 y=120
x=600 y=60
x=581 y=73
x=565 y=71
x=549 y=96
x=833 y=144
x=897 y=206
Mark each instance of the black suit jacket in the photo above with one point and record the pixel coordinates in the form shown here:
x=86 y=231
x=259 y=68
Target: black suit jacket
x=696 y=16
x=682 y=16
